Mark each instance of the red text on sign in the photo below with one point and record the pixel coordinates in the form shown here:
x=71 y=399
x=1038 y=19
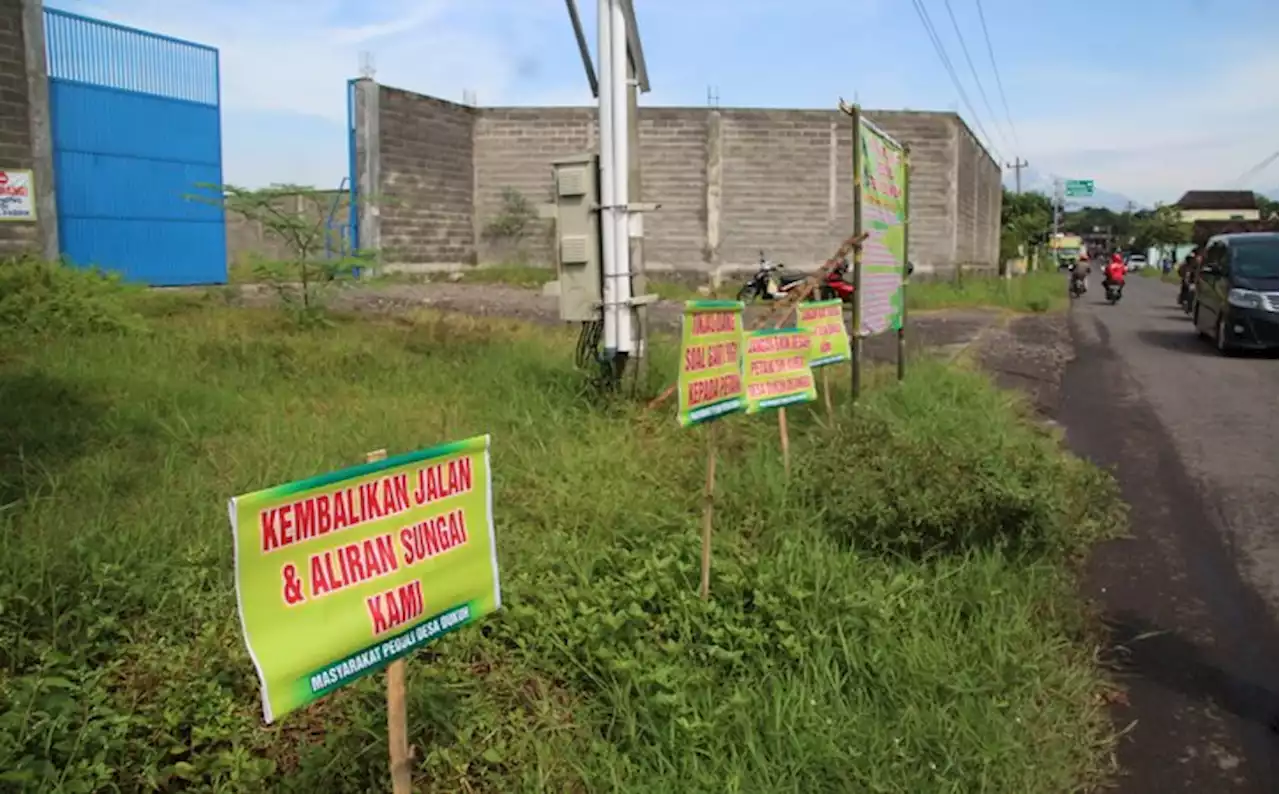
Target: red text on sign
x=330 y=512
x=713 y=389
x=714 y=322
x=433 y=537
x=699 y=357
x=395 y=607
x=334 y=569
x=442 y=480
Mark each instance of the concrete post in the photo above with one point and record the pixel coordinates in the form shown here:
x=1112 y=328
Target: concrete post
x=46 y=202
x=715 y=189
x=368 y=167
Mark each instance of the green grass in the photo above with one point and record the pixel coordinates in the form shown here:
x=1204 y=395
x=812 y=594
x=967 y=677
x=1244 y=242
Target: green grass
x=899 y=618
x=1039 y=291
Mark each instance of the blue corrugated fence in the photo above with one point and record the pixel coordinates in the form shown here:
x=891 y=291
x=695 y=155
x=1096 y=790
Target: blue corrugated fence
x=137 y=131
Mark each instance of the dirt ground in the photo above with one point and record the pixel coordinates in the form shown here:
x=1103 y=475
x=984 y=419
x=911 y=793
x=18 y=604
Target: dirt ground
x=949 y=331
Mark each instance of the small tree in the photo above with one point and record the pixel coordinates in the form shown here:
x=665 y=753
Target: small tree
x=512 y=224
x=1162 y=228
x=297 y=217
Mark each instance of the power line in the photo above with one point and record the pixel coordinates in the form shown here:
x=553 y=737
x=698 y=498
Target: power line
x=982 y=92
x=991 y=53
x=923 y=13
x=1247 y=175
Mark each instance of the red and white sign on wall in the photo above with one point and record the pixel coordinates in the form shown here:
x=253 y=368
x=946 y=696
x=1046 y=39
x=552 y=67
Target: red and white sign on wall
x=17 y=196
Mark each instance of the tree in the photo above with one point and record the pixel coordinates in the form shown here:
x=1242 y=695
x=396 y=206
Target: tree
x=1162 y=227
x=1267 y=209
x=298 y=217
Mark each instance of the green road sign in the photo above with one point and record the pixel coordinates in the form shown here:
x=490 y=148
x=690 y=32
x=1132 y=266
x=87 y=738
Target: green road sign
x=1079 y=187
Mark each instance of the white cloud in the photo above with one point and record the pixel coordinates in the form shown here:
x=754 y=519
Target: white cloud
x=296 y=55
x=1153 y=145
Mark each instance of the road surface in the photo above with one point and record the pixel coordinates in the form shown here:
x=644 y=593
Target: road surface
x=1190 y=596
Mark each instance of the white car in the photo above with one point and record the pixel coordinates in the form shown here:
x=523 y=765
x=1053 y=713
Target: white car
x=1135 y=262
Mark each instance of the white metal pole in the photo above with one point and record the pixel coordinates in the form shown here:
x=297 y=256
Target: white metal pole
x=621 y=180
x=608 y=191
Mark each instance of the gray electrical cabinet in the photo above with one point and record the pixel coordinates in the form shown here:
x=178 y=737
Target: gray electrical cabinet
x=577 y=237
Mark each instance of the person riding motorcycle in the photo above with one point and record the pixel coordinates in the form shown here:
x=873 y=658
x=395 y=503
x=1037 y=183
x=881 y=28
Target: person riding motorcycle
x=1080 y=275
x=1186 y=277
x=1114 y=273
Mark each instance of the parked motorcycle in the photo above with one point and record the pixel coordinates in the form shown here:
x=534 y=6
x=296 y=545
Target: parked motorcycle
x=768 y=282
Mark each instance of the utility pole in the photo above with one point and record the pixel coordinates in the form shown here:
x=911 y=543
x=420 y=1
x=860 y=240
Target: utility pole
x=635 y=232
x=1057 y=205
x=1017 y=166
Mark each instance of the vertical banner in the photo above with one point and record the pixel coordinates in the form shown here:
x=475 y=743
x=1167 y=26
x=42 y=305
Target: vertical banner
x=340 y=574
x=883 y=172
x=777 y=368
x=710 y=382
x=825 y=320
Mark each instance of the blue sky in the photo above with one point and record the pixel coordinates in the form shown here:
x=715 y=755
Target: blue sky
x=1147 y=97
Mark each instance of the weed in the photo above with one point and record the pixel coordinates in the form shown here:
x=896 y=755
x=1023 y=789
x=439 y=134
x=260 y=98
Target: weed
x=1038 y=292
x=899 y=618
x=55 y=298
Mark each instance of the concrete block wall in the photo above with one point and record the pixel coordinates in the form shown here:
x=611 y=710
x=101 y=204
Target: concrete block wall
x=978 y=203
x=426 y=184
x=730 y=182
x=513 y=149
x=25 y=139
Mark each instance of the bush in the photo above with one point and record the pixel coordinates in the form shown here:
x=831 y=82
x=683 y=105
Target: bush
x=939 y=469
x=50 y=297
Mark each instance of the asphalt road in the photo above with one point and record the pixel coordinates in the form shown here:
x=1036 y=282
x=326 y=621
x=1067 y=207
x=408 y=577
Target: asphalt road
x=1190 y=596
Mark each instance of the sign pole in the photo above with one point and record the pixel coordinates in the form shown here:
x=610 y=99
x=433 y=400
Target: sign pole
x=397 y=710
x=826 y=394
x=856 y=330
x=708 y=511
x=906 y=259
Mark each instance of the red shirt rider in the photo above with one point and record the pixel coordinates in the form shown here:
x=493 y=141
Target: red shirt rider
x=1115 y=270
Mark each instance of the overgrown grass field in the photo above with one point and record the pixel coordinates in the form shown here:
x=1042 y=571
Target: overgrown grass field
x=900 y=617
x=1038 y=291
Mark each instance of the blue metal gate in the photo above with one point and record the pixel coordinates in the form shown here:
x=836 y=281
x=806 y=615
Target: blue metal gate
x=137 y=132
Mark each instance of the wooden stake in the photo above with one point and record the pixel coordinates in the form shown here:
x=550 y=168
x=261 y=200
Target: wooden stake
x=708 y=509
x=397 y=712
x=826 y=393
x=785 y=438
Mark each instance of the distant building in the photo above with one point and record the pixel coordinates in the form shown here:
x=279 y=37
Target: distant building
x=1218 y=205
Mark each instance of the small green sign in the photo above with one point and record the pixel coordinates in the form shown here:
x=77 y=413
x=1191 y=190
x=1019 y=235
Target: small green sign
x=1079 y=187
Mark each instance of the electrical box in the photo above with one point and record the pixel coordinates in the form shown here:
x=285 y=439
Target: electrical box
x=577 y=237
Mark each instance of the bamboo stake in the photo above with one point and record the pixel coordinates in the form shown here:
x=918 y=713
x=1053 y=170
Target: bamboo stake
x=708 y=510
x=397 y=710
x=785 y=438
x=826 y=393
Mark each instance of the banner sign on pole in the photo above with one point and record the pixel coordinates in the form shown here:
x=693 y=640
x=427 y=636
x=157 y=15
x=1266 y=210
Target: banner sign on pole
x=340 y=574
x=776 y=368
x=710 y=382
x=825 y=320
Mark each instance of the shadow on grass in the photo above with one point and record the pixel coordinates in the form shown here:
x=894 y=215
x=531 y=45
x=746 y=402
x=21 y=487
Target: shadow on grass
x=46 y=424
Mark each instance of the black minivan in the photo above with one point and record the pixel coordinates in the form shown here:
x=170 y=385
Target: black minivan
x=1236 y=292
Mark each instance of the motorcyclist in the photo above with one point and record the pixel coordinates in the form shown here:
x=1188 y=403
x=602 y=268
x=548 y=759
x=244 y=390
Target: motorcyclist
x=1115 y=272
x=1186 y=277
x=1079 y=275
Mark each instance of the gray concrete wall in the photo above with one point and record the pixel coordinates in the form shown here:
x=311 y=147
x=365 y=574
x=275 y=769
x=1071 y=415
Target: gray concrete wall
x=979 y=199
x=426 y=184
x=25 y=138
x=729 y=181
